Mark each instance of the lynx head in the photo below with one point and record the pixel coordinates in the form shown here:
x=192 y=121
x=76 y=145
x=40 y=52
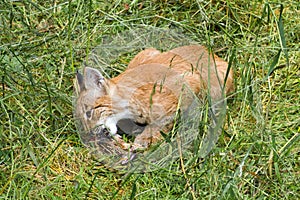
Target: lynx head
x=93 y=105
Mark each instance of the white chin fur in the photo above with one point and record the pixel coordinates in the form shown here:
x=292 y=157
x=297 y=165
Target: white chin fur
x=111 y=125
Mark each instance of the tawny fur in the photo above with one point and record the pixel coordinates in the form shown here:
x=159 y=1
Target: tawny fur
x=150 y=90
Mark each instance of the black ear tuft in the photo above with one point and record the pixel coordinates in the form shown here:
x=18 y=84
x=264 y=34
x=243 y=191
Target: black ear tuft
x=80 y=81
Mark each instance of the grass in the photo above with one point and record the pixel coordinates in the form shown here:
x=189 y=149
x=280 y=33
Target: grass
x=42 y=43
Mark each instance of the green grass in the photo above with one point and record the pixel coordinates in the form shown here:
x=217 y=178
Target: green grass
x=42 y=43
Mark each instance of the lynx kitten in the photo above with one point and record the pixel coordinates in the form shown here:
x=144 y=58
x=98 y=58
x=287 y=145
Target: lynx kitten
x=146 y=96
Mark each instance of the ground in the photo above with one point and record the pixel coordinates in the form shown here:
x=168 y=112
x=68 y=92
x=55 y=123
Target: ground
x=43 y=43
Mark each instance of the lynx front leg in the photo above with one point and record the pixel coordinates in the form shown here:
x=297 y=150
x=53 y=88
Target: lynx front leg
x=151 y=135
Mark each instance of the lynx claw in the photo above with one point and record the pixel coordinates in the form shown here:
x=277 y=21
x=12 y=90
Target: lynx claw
x=125 y=160
x=121 y=143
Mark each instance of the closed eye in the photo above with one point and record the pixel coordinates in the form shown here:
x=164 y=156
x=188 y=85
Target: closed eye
x=101 y=110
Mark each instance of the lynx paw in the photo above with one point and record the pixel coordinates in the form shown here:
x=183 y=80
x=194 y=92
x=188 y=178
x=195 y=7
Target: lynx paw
x=121 y=143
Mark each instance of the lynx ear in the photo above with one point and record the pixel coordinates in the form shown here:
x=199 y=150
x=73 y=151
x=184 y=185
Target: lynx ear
x=93 y=79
